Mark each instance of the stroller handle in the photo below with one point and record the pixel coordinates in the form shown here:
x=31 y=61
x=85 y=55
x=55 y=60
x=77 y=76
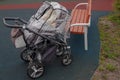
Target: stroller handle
x=6 y=19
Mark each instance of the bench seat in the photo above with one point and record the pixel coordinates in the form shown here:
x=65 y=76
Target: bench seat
x=80 y=20
x=79 y=17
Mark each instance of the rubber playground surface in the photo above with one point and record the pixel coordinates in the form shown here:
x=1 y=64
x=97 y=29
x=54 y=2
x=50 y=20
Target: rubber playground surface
x=84 y=62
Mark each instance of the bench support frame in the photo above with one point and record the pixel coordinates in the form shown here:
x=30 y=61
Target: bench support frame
x=86 y=24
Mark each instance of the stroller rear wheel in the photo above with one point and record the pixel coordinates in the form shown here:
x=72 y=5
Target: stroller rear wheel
x=59 y=51
x=25 y=54
x=35 y=70
x=67 y=58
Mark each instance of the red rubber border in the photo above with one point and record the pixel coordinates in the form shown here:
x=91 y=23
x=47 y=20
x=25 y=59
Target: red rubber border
x=102 y=5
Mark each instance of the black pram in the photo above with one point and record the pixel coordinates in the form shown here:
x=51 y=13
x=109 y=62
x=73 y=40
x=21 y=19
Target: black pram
x=42 y=37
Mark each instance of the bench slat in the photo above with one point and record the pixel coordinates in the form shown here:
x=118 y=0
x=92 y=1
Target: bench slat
x=78 y=28
x=82 y=20
x=73 y=19
x=79 y=16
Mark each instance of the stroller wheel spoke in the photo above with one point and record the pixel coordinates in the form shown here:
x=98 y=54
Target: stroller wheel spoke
x=40 y=69
x=35 y=70
x=33 y=74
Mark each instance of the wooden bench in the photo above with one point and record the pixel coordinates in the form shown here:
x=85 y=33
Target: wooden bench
x=80 y=20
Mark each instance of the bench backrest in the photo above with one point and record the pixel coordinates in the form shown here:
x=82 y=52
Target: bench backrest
x=89 y=9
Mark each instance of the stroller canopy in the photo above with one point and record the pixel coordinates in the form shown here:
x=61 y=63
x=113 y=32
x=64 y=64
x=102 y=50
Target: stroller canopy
x=50 y=19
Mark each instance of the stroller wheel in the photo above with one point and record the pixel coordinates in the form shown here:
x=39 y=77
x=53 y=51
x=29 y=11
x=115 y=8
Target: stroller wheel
x=25 y=53
x=35 y=70
x=59 y=52
x=66 y=59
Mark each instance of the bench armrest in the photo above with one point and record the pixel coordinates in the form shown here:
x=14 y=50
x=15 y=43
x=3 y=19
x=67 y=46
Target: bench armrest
x=79 y=4
x=80 y=24
x=88 y=6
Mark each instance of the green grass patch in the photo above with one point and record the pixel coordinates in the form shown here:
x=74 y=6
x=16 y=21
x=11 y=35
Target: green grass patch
x=115 y=18
x=110 y=67
x=110 y=39
x=101 y=68
x=111 y=55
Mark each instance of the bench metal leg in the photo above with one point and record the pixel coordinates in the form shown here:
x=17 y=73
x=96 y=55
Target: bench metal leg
x=85 y=38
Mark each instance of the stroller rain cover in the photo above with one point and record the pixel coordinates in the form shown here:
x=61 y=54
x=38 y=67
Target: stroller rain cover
x=51 y=20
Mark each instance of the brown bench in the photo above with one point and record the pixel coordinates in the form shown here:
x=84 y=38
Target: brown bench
x=80 y=20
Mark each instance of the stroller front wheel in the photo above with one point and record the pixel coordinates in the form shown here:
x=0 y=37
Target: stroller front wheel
x=35 y=70
x=66 y=59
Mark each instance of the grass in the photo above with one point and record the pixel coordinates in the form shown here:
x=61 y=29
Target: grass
x=110 y=67
x=110 y=39
x=110 y=48
x=115 y=17
x=101 y=68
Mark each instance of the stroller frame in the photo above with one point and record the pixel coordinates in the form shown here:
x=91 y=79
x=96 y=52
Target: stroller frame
x=34 y=54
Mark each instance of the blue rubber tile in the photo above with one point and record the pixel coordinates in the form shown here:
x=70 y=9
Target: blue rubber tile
x=84 y=62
